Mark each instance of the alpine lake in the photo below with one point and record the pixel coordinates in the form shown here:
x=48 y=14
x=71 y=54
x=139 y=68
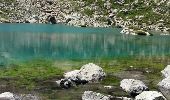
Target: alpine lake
x=34 y=56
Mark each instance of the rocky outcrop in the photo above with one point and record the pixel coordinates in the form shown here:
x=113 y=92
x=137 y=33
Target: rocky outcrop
x=88 y=73
x=90 y=95
x=132 y=86
x=150 y=95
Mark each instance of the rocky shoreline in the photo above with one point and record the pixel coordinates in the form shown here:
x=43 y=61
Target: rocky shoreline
x=84 y=13
x=91 y=73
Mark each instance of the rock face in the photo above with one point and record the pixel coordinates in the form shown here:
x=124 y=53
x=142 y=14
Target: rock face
x=150 y=95
x=7 y=96
x=91 y=72
x=132 y=86
x=90 y=95
x=166 y=71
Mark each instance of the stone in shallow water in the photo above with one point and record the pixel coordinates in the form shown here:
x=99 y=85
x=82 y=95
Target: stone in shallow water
x=132 y=86
x=150 y=95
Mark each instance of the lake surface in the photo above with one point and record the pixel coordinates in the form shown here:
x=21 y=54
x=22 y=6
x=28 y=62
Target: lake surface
x=27 y=41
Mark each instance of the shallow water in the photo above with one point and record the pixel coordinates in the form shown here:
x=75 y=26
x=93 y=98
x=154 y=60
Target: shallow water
x=27 y=41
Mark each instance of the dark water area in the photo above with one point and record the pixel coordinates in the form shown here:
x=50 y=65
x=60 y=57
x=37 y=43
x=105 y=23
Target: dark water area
x=29 y=41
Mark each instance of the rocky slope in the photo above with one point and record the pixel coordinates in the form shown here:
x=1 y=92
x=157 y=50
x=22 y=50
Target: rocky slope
x=136 y=14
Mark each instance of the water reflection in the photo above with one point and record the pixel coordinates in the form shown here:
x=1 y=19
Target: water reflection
x=80 y=46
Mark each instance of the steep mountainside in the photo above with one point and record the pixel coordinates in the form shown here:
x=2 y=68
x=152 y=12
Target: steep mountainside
x=136 y=14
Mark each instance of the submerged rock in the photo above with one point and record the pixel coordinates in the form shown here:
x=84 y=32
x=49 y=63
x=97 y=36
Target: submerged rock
x=164 y=87
x=91 y=72
x=90 y=95
x=150 y=95
x=7 y=96
x=166 y=71
x=132 y=86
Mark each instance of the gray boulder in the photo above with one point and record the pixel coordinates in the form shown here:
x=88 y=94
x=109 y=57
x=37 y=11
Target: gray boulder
x=132 y=86
x=90 y=95
x=166 y=71
x=150 y=95
x=72 y=74
x=91 y=72
x=7 y=96
x=164 y=87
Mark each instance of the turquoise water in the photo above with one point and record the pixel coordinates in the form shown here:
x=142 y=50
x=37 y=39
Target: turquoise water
x=27 y=41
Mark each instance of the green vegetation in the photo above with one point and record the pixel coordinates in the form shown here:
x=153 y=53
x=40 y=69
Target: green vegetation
x=28 y=73
x=33 y=74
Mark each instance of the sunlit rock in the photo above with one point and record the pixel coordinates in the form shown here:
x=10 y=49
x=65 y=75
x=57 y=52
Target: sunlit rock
x=72 y=74
x=90 y=95
x=7 y=96
x=164 y=87
x=150 y=95
x=91 y=72
x=133 y=86
x=166 y=71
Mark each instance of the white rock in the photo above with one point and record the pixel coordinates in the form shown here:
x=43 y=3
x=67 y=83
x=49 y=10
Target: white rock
x=165 y=83
x=124 y=98
x=150 y=95
x=7 y=96
x=90 y=95
x=32 y=20
x=91 y=72
x=164 y=87
x=166 y=71
x=72 y=74
x=108 y=87
x=133 y=86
